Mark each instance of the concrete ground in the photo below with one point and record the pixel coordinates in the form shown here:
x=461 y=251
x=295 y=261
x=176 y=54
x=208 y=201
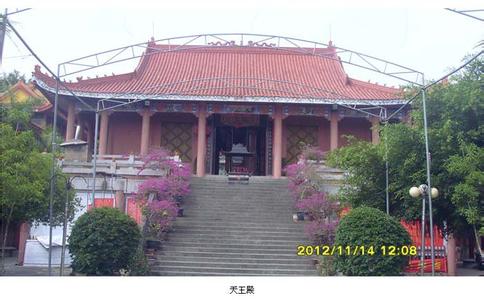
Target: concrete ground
x=469 y=270
x=12 y=269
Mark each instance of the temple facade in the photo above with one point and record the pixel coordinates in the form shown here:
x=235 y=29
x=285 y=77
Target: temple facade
x=225 y=108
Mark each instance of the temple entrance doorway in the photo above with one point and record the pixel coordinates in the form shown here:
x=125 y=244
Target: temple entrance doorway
x=239 y=144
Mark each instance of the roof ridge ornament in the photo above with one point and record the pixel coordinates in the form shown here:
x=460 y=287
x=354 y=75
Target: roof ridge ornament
x=259 y=44
x=220 y=43
x=249 y=44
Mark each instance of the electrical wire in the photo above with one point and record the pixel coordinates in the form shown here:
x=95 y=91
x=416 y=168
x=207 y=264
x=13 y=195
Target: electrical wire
x=43 y=64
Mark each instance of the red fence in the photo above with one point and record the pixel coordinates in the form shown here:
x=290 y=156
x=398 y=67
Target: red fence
x=132 y=207
x=101 y=202
x=414 y=228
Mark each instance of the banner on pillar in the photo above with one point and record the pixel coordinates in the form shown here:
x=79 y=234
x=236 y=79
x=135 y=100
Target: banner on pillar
x=133 y=209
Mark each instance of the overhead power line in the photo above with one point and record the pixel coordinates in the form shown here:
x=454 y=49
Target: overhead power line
x=467 y=13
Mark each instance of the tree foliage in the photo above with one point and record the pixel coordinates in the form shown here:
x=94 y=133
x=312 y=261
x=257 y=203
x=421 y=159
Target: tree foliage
x=103 y=241
x=25 y=173
x=455 y=110
x=9 y=79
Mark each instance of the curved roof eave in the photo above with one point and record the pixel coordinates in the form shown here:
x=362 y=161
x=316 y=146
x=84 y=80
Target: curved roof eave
x=216 y=98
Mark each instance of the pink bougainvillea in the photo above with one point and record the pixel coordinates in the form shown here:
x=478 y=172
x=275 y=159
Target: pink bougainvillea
x=160 y=216
x=305 y=185
x=156 y=159
x=317 y=206
x=157 y=195
x=322 y=231
x=303 y=180
x=159 y=187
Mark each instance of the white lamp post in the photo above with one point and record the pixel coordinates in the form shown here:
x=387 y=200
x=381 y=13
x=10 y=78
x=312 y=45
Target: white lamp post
x=422 y=191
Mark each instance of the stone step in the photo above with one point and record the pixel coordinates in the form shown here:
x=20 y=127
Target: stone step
x=161 y=264
x=240 y=220
x=264 y=186
x=285 y=215
x=244 y=211
x=234 y=197
x=241 y=187
x=260 y=244
x=178 y=230
x=224 y=178
x=218 y=256
x=196 y=223
x=206 y=201
x=224 y=271
x=237 y=196
x=213 y=273
x=229 y=239
x=270 y=250
x=239 y=205
x=232 y=253
x=235 y=230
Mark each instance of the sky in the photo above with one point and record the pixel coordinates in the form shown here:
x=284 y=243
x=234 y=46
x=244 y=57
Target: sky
x=429 y=39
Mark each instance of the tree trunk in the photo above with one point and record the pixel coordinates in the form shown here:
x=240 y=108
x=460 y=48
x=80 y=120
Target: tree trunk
x=476 y=236
x=4 y=242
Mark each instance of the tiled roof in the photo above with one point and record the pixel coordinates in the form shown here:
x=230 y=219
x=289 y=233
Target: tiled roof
x=234 y=71
x=31 y=91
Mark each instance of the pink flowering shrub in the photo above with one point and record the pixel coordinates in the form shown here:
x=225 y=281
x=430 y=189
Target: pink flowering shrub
x=160 y=216
x=157 y=195
x=156 y=159
x=322 y=231
x=317 y=206
x=305 y=185
x=323 y=218
x=303 y=180
x=160 y=187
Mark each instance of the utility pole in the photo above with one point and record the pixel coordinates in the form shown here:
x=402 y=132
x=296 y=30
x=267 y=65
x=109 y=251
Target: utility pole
x=3 y=29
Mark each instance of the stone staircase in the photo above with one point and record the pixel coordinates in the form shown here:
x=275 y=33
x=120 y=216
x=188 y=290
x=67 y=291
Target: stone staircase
x=235 y=230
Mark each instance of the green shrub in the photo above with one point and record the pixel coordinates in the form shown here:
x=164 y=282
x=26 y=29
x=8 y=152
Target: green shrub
x=103 y=241
x=365 y=226
x=139 y=265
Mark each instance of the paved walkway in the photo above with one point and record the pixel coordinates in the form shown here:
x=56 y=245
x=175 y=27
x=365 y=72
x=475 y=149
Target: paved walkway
x=12 y=269
x=469 y=270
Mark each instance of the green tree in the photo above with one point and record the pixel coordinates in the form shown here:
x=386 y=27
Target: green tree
x=9 y=79
x=455 y=111
x=25 y=174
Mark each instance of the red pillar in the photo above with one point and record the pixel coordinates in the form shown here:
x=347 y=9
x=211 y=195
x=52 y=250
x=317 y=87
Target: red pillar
x=375 y=130
x=71 y=117
x=334 y=130
x=451 y=256
x=277 y=146
x=103 y=133
x=145 y=132
x=23 y=236
x=202 y=142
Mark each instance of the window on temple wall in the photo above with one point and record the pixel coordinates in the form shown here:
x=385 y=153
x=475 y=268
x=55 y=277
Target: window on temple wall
x=177 y=138
x=298 y=137
x=357 y=127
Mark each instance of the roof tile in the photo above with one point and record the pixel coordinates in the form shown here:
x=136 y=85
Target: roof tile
x=237 y=72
